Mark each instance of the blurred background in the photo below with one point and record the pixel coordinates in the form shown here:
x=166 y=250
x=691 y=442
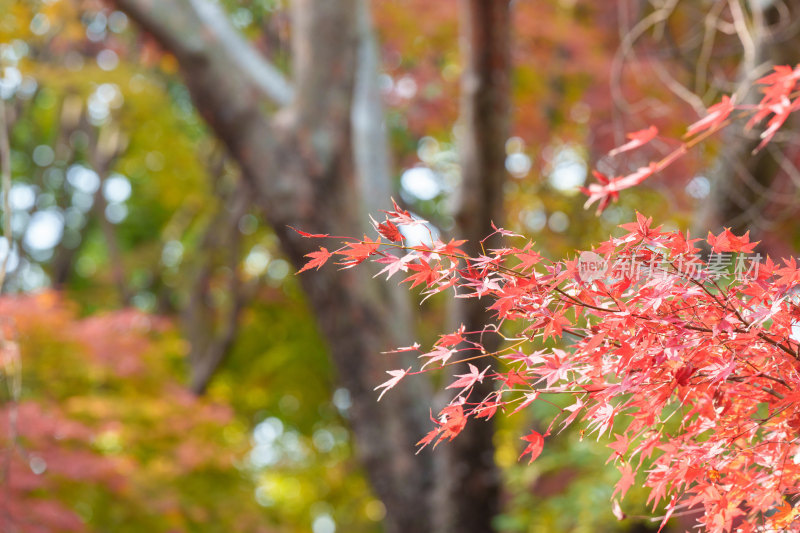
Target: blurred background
x=163 y=369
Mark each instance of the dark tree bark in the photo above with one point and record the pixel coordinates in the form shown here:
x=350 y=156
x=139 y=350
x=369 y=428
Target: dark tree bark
x=301 y=149
x=468 y=464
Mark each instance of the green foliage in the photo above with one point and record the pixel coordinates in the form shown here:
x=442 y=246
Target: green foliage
x=279 y=378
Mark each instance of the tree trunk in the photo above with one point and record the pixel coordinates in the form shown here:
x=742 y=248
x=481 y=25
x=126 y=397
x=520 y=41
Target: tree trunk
x=307 y=170
x=468 y=469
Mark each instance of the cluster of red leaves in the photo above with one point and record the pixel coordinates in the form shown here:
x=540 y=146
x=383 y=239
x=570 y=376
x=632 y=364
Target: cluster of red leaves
x=780 y=99
x=695 y=379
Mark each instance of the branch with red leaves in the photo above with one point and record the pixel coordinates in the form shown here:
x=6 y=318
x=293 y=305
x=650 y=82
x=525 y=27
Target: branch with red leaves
x=690 y=366
x=779 y=101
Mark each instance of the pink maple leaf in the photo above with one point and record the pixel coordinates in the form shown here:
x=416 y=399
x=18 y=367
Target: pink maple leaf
x=637 y=139
x=397 y=375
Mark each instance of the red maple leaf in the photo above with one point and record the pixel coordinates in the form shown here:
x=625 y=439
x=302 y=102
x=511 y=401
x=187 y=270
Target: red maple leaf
x=528 y=258
x=535 y=446
x=439 y=353
x=453 y=421
x=609 y=188
x=397 y=375
x=530 y=397
x=428 y=438
x=554 y=325
x=468 y=380
x=412 y=348
x=317 y=259
x=625 y=482
x=637 y=139
x=715 y=116
x=683 y=244
x=789 y=275
x=389 y=230
x=487 y=408
x=357 y=252
x=621 y=445
x=782 y=75
x=728 y=242
x=424 y=274
x=511 y=378
x=574 y=410
x=684 y=374
x=393 y=264
x=452 y=339
x=450 y=249
x=401 y=216
x=503 y=232
x=642 y=227
x=779 y=85
x=310 y=235
x=780 y=112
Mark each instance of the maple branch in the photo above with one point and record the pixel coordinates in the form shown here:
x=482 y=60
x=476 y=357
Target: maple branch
x=768 y=390
x=578 y=301
x=744 y=321
x=69 y=122
x=704 y=57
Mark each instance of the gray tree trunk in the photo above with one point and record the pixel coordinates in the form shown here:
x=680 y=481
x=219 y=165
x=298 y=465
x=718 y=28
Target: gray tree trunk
x=300 y=146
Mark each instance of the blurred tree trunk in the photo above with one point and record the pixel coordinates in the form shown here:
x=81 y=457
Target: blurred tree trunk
x=314 y=153
x=747 y=193
x=211 y=327
x=468 y=463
